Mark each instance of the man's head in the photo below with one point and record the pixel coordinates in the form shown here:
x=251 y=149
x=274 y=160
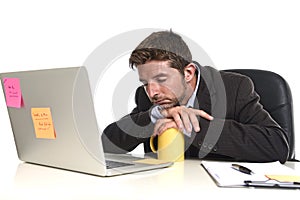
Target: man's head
x=164 y=64
x=163 y=45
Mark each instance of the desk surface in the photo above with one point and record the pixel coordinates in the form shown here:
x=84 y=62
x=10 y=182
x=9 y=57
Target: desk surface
x=183 y=180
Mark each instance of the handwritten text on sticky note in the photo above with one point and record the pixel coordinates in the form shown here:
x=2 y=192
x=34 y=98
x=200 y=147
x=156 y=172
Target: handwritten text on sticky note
x=13 y=93
x=43 y=124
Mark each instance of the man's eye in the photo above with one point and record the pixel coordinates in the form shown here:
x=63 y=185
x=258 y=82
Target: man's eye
x=161 y=80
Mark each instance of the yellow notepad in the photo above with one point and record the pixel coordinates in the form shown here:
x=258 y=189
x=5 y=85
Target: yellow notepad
x=284 y=178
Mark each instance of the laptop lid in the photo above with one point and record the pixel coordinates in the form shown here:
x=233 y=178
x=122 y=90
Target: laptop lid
x=54 y=124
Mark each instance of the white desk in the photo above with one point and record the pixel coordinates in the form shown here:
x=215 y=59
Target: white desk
x=184 y=180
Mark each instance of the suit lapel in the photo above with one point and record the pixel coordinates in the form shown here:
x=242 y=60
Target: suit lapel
x=206 y=91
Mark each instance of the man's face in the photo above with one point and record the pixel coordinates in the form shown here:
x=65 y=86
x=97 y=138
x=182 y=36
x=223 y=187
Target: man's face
x=165 y=85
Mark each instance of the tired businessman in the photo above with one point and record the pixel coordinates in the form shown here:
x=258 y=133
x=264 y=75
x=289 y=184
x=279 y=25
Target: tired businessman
x=219 y=112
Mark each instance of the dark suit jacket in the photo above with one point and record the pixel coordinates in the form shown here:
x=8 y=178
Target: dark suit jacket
x=241 y=130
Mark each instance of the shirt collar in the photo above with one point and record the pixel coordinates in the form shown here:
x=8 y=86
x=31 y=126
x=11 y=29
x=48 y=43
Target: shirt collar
x=191 y=101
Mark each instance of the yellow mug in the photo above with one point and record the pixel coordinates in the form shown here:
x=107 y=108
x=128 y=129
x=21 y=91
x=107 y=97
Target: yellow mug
x=170 y=145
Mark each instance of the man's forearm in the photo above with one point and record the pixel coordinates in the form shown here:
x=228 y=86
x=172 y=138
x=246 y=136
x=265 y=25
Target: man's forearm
x=127 y=133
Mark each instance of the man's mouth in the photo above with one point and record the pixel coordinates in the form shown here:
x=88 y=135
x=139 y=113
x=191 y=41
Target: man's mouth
x=162 y=102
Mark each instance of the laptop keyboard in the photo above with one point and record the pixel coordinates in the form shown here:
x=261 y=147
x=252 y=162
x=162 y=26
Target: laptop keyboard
x=114 y=164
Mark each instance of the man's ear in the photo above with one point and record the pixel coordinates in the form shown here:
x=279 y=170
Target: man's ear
x=189 y=72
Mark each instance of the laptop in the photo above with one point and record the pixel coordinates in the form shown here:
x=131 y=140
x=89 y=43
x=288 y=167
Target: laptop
x=54 y=124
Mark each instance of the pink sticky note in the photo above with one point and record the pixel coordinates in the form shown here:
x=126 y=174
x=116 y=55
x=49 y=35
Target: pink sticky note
x=13 y=93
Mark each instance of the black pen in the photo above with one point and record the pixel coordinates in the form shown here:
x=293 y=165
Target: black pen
x=242 y=169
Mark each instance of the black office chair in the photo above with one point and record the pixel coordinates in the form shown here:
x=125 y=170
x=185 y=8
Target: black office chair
x=276 y=98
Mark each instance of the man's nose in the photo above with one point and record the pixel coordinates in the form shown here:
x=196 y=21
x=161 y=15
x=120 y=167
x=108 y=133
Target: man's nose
x=152 y=89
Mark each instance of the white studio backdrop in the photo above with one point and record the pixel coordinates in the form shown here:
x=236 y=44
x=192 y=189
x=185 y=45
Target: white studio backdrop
x=235 y=34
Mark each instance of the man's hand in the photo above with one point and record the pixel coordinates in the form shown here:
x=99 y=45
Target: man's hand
x=182 y=118
x=162 y=125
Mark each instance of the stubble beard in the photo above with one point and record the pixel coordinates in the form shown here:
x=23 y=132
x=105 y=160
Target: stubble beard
x=177 y=101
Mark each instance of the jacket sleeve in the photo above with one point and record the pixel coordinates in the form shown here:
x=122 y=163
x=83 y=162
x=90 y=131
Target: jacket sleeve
x=247 y=133
x=127 y=133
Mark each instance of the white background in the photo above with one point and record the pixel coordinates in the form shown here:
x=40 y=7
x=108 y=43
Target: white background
x=235 y=34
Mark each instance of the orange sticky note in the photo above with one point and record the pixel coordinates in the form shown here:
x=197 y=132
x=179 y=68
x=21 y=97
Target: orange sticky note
x=13 y=93
x=43 y=124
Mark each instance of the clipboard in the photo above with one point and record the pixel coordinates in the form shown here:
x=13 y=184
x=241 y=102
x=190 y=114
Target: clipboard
x=273 y=184
x=267 y=175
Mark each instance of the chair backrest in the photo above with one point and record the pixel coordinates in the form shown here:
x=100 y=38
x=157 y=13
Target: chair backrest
x=276 y=98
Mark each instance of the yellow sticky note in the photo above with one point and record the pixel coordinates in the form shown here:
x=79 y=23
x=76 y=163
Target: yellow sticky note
x=150 y=161
x=43 y=124
x=284 y=178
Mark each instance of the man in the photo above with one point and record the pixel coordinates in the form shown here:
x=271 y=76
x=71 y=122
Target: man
x=219 y=112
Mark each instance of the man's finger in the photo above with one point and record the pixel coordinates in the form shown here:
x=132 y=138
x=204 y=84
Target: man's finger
x=195 y=123
x=162 y=125
x=203 y=114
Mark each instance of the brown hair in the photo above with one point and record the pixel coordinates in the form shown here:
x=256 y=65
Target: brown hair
x=162 y=46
